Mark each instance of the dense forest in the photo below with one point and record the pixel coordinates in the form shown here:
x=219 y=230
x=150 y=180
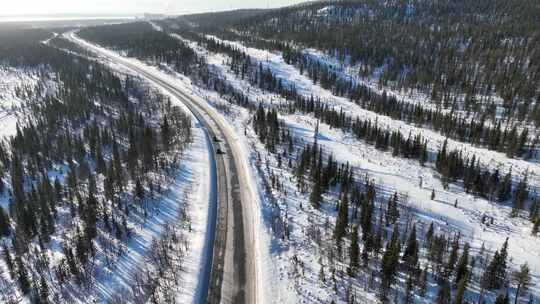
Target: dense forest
x=142 y=41
x=461 y=53
x=94 y=153
x=448 y=48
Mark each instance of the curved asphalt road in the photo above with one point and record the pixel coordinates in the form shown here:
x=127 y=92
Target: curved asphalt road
x=233 y=276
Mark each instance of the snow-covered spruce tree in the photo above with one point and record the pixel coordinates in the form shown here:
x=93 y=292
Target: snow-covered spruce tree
x=389 y=265
x=354 y=253
x=495 y=274
x=342 y=220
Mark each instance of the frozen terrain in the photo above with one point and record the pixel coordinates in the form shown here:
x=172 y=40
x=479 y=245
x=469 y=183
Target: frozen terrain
x=390 y=173
x=14 y=96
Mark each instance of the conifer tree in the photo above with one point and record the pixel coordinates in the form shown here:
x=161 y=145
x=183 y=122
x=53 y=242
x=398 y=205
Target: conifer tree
x=366 y=214
x=462 y=270
x=4 y=223
x=389 y=263
x=460 y=293
x=90 y=217
x=139 y=190
x=354 y=252
x=536 y=226
x=429 y=234
x=495 y=273
x=502 y=299
x=22 y=276
x=520 y=196
x=522 y=279
x=165 y=134
x=315 y=198
x=533 y=210
x=409 y=290
x=57 y=190
x=444 y=295
x=452 y=259
x=424 y=155
x=410 y=255
x=392 y=213
x=342 y=218
x=505 y=189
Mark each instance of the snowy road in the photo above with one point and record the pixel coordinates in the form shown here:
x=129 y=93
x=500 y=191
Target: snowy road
x=235 y=274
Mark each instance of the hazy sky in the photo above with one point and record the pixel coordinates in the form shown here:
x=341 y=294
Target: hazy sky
x=31 y=7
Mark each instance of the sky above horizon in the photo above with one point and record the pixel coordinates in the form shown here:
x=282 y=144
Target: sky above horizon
x=126 y=7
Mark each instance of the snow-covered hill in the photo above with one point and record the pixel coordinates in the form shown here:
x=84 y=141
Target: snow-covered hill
x=483 y=224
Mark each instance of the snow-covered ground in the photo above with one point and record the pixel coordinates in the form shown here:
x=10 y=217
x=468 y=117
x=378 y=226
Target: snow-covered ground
x=185 y=207
x=404 y=176
x=265 y=264
x=351 y=72
x=13 y=97
x=270 y=258
x=286 y=287
x=155 y=26
x=304 y=85
x=389 y=173
x=200 y=203
x=297 y=282
x=189 y=193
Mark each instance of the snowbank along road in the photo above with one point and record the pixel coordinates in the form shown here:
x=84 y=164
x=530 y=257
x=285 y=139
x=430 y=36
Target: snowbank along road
x=234 y=275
